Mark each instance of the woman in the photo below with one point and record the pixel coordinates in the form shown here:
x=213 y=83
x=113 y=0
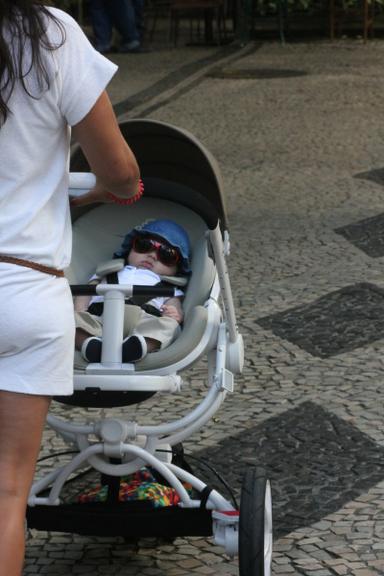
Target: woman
x=51 y=79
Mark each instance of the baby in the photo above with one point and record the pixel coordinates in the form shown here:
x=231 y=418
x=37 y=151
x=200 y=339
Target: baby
x=154 y=249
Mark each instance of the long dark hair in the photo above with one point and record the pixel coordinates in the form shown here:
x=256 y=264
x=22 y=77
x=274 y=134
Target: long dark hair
x=25 y=20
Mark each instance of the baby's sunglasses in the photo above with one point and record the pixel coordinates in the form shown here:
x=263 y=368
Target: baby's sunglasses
x=167 y=255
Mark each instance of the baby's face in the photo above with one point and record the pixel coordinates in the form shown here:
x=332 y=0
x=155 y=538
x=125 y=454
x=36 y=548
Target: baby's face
x=150 y=261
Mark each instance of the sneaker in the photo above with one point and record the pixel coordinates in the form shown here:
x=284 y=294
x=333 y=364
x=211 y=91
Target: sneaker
x=91 y=349
x=134 y=348
x=130 y=47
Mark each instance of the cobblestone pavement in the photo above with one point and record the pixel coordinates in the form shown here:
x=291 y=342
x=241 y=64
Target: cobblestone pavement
x=302 y=160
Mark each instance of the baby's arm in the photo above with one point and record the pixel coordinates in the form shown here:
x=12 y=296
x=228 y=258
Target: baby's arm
x=81 y=303
x=172 y=308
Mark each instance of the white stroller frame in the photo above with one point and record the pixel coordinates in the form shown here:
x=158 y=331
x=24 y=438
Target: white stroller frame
x=136 y=445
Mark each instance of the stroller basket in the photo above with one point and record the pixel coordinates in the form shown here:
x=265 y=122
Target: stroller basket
x=123 y=519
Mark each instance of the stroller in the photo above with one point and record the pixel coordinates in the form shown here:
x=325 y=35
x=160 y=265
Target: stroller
x=182 y=182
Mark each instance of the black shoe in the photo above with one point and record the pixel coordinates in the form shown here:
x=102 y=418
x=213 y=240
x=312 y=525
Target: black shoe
x=130 y=47
x=91 y=349
x=134 y=348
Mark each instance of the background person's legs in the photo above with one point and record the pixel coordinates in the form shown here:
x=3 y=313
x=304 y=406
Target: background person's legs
x=123 y=17
x=138 y=6
x=22 y=419
x=101 y=24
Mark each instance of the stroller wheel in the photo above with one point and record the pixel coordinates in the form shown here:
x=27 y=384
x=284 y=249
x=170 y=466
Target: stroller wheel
x=255 y=524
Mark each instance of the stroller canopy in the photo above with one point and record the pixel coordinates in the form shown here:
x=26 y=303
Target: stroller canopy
x=169 y=154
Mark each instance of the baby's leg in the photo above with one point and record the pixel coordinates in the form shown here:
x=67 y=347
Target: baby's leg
x=88 y=336
x=150 y=334
x=158 y=331
x=88 y=325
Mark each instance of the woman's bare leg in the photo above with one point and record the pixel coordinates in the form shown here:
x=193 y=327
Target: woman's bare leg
x=22 y=419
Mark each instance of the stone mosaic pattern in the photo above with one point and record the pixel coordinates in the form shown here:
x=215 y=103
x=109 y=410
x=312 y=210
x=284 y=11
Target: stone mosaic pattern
x=336 y=323
x=367 y=235
x=255 y=73
x=376 y=175
x=316 y=461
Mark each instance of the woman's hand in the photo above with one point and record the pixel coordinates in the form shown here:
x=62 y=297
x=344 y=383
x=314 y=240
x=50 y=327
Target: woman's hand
x=98 y=194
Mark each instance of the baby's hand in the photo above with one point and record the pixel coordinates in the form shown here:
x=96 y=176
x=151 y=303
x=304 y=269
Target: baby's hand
x=172 y=312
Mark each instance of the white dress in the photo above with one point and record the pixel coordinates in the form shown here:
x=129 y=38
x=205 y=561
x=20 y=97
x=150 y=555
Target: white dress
x=36 y=354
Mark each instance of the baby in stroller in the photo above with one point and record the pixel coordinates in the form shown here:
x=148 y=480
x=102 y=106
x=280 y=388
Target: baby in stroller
x=153 y=253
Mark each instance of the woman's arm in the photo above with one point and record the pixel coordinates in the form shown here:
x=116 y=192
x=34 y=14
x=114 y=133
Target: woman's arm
x=109 y=156
x=81 y=303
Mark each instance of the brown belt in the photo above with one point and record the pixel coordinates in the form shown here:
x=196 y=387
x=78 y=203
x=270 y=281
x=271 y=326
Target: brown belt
x=34 y=265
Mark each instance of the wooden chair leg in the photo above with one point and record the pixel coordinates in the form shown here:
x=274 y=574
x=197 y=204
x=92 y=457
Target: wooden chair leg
x=218 y=25
x=153 y=27
x=172 y=27
x=221 y=24
x=177 y=27
x=368 y=16
x=332 y=19
x=199 y=27
x=372 y=20
x=80 y=8
x=365 y=20
x=224 y=16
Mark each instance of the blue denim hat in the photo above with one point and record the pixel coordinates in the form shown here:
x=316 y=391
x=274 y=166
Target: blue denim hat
x=174 y=234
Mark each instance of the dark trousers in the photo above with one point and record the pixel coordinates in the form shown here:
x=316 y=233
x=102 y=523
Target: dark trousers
x=124 y=15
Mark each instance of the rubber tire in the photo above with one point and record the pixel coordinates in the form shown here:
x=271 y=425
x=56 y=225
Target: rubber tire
x=255 y=545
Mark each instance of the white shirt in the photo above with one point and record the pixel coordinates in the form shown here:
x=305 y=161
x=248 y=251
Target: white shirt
x=34 y=146
x=142 y=277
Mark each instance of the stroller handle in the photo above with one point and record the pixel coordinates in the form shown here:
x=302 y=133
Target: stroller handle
x=81 y=182
x=128 y=289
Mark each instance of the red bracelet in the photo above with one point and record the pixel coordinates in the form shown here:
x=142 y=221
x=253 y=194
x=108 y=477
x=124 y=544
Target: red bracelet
x=126 y=201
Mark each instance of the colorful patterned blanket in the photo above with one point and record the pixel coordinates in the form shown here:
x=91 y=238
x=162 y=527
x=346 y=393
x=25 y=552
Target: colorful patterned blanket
x=142 y=485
